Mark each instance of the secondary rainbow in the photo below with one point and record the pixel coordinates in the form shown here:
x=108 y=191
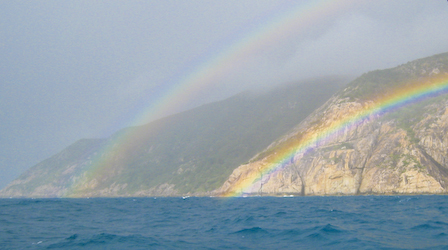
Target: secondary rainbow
x=394 y=100
x=296 y=20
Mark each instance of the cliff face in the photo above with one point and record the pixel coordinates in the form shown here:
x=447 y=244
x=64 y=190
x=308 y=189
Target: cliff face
x=404 y=151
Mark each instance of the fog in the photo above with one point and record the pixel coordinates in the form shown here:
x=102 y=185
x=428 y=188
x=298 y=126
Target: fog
x=85 y=69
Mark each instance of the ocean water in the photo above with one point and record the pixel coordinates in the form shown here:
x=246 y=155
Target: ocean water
x=348 y=222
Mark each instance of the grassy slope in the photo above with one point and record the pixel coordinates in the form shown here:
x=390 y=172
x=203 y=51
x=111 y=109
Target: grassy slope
x=51 y=170
x=198 y=149
x=380 y=81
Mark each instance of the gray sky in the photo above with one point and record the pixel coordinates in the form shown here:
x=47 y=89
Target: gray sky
x=84 y=69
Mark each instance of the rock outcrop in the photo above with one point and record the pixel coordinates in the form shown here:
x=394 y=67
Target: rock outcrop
x=400 y=152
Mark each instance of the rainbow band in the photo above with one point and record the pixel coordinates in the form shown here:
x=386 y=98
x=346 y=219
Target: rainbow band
x=295 y=21
x=398 y=98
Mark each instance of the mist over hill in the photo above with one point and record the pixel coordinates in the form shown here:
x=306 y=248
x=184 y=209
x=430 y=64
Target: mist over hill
x=383 y=133
x=186 y=153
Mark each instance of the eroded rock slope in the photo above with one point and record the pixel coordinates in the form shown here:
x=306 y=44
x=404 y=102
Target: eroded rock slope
x=403 y=151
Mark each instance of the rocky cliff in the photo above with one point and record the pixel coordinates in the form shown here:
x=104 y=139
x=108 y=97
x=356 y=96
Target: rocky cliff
x=403 y=151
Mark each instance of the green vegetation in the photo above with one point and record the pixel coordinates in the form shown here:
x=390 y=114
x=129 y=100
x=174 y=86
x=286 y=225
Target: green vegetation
x=406 y=160
x=377 y=83
x=392 y=161
x=51 y=170
x=410 y=159
x=374 y=83
x=195 y=150
x=406 y=117
x=395 y=157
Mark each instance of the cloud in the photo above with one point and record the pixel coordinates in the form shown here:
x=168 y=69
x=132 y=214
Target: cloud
x=368 y=39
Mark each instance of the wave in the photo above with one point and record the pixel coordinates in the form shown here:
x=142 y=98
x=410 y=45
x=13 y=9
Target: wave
x=105 y=240
x=209 y=223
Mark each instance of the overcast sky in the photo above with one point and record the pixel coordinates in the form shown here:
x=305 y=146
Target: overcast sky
x=83 y=69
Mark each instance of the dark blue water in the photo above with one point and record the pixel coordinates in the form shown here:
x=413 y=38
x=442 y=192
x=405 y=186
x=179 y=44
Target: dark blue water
x=360 y=222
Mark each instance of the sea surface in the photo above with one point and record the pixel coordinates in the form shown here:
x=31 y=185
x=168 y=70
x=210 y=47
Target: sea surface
x=347 y=222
